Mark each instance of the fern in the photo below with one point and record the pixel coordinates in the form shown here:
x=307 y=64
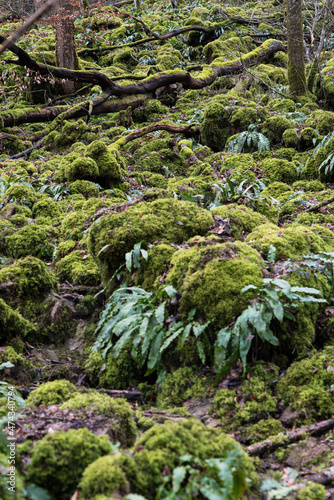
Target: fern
x=324 y=142
x=275 y=299
x=139 y=317
x=328 y=163
x=251 y=138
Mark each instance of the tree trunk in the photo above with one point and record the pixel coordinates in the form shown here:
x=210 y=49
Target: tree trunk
x=296 y=63
x=65 y=47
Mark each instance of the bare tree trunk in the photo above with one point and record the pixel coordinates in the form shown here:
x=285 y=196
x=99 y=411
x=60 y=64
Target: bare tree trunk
x=65 y=47
x=296 y=64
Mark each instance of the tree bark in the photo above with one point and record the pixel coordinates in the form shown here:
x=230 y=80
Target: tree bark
x=65 y=46
x=296 y=63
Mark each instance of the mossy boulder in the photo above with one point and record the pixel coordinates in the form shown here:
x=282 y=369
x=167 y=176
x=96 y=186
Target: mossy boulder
x=58 y=460
x=210 y=276
x=306 y=386
x=274 y=127
x=215 y=127
x=321 y=120
x=22 y=371
x=240 y=218
x=108 y=161
x=278 y=170
x=78 y=268
x=161 y=447
x=46 y=207
x=121 y=426
x=181 y=385
x=11 y=322
x=29 y=277
x=290 y=138
x=290 y=242
x=34 y=240
x=82 y=169
x=169 y=219
x=157 y=263
x=52 y=393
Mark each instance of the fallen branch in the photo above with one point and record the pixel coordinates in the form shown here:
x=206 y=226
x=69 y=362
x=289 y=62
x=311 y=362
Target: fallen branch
x=129 y=395
x=32 y=19
x=285 y=438
x=325 y=477
x=153 y=128
x=320 y=205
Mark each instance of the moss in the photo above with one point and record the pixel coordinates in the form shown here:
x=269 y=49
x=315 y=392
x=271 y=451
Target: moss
x=164 y=161
x=163 y=445
x=307 y=138
x=181 y=385
x=30 y=277
x=109 y=162
x=11 y=322
x=122 y=428
x=170 y=219
x=21 y=193
x=290 y=138
x=215 y=127
x=274 y=127
x=258 y=403
x=263 y=430
x=116 y=373
x=305 y=385
x=156 y=180
x=321 y=120
x=308 y=186
x=168 y=58
x=151 y=110
x=159 y=256
x=87 y=188
x=52 y=393
x=71 y=226
x=240 y=219
x=32 y=240
x=279 y=170
x=46 y=208
x=290 y=242
x=210 y=278
x=312 y=491
x=58 y=460
x=78 y=268
x=82 y=169
x=103 y=477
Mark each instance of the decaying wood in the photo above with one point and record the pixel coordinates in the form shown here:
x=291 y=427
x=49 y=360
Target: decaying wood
x=129 y=395
x=320 y=205
x=285 y=438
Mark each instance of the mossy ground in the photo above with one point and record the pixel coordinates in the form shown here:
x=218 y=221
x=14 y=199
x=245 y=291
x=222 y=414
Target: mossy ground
x=206 y=218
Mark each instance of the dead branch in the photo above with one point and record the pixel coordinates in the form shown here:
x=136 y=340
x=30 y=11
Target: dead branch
x=32 y=19
x=285 y=438
x=316 y=208
x=157 y=126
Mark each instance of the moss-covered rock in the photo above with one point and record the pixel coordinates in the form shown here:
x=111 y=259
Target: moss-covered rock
x=46 y=207
x=121 y=426
x=181 y=385
x=29 y=277
x=22 y=371
x=215 y=127
x=155 y=266
x=82 y=169
x=170 y=219
x=274 y=127
x=240 y=218
x=290 y=242
x=277 y=170
x=305 y=387
x=34 y=240
x=104 y=478
x=11 y=322
x=290 y=138
x=321 y=120
x=210 y=276
x=162 y=446
x=52 y=393
x=58 y=460
x=108 y=161
x=78 y=268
